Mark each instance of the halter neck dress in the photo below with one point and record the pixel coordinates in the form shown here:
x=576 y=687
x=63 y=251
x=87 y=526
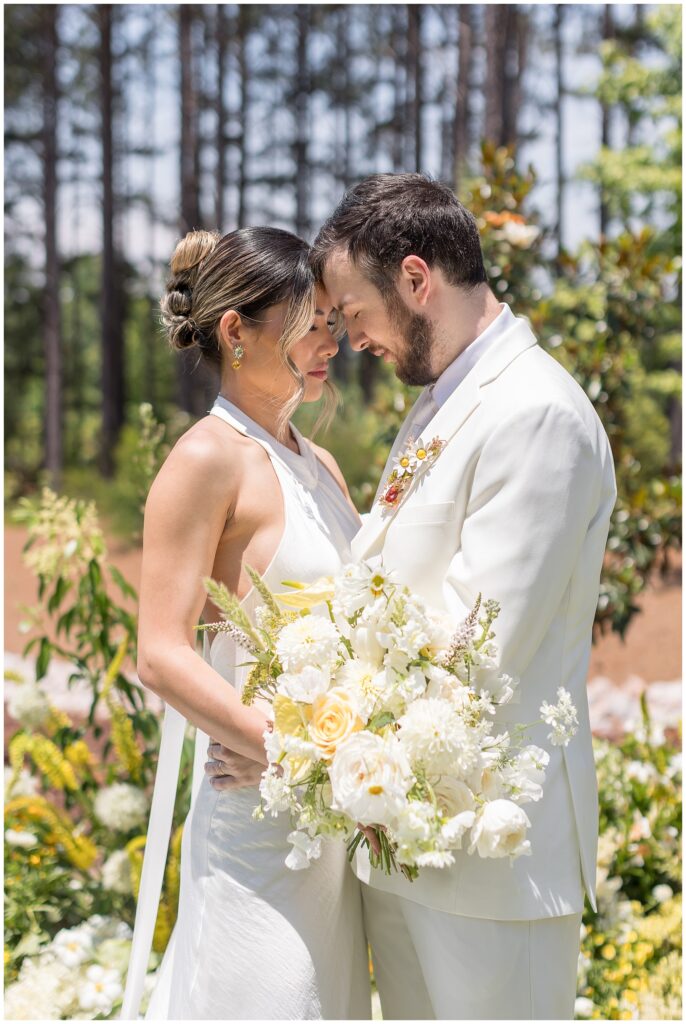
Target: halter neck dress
x=254 y=939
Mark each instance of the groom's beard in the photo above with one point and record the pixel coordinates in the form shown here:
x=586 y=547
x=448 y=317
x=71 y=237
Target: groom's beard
x=413 y=365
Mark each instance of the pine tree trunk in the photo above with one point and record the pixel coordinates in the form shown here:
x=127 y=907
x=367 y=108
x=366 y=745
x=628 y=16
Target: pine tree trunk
x=301 y=109
x=496 y=24
x=52 y=339
x=220 y=115
x=242 y=34
x=414 y=20
x=606 y=117
x=398 y=136
x=559 y=127
x=461 y=123
x=112 y=334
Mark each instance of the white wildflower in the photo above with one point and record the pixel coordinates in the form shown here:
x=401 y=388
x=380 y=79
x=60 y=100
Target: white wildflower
x=26 y=784
x=16 y=837
x=121 y=806
x=562 y=716
x=72 y=946
x=662 y=893
x=583 y=1007
x=454 y=829
x=526 y=774
x=310 y=640
x=274 y=791
x=100 y=990
x=521 y=236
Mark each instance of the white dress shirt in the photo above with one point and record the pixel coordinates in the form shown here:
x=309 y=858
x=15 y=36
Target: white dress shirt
x=453 y=375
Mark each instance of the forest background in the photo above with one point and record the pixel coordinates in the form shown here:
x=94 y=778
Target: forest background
x=559 y=126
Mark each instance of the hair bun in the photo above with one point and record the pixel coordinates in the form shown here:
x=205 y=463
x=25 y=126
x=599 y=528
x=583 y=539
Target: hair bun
x=177 y=302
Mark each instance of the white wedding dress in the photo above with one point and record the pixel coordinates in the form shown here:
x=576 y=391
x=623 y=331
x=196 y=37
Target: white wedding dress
x=254 y=939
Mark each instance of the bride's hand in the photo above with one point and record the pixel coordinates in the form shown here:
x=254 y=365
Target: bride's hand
x=228 y=770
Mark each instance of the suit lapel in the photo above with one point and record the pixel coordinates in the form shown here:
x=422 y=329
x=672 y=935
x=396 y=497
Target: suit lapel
x=449 y=419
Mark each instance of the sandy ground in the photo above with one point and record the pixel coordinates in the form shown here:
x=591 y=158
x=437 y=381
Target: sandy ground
x=619 y=670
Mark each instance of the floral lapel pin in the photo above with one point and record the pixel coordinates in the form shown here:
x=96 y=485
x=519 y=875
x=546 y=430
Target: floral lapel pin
x=413 y=459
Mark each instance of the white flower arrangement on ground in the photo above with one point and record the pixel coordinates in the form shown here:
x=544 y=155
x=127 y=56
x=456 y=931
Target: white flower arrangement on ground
x=78 y=975
x=383 y=719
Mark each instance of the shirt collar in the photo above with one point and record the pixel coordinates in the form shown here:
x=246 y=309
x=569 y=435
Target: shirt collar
x=455 y=373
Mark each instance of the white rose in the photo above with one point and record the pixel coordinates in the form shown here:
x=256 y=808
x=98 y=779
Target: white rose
x=370 y=778
x=306 y=684
x=500 y=831
x=453 y=796
x=121 y=806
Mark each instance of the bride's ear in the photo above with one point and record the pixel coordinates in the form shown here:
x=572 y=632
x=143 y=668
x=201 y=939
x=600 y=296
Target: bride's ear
x=231 y=329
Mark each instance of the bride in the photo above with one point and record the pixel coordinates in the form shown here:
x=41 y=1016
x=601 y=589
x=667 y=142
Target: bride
x=253 y=939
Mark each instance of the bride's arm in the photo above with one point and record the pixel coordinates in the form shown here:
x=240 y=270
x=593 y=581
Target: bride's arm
x=184 y=517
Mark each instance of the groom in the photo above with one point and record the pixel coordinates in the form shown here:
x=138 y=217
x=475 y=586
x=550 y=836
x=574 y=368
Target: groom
x=516 y=508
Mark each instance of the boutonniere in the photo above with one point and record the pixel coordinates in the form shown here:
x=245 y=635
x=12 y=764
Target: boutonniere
x=413 y=459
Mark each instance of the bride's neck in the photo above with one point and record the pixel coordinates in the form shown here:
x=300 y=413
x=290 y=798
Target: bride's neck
x=262 y=408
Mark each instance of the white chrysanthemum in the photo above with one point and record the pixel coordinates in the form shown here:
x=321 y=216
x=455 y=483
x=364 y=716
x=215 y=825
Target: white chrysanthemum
x=20 y=837
x=310 y=640
x=526 y=774
x=304 y=850
x=364 y=683
x=370 y=778
x=100 y=990
x=116 y=873
x=305 y=685
x=500 y=831
x=562 y=717
x=121 y=806
x=25 y=785
x=431 y=731
x=29 y=706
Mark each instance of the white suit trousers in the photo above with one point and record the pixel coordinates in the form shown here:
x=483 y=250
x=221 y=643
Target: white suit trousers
x=430 y=965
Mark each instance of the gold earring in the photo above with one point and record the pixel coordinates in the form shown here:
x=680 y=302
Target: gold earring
x=238 y=354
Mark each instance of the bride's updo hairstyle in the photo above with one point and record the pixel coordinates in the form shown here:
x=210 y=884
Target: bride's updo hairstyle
x=247 y=270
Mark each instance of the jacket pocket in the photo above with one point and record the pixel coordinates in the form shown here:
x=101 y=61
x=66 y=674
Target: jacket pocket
x=437 y=512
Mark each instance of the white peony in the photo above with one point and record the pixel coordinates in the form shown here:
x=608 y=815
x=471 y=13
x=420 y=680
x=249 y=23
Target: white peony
x=19 y=837
x=100 y=990
x=304 y=850
x=121 y=806
x=310 y=640
x=26 y=784
x=29 y=706
x=116 y=873
x=370 y=778
x=500 y=831
x=305 y=685
x=433 y=733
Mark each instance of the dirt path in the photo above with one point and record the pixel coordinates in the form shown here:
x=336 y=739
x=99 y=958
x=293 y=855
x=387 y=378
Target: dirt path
x=651 y=652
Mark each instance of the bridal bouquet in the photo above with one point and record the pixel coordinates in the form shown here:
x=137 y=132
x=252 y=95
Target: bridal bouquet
x=383 y=718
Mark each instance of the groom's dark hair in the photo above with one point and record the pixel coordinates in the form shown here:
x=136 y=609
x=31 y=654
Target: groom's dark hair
x=386 y=217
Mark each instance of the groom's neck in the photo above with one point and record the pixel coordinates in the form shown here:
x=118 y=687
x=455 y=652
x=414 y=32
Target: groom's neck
x=459 y=318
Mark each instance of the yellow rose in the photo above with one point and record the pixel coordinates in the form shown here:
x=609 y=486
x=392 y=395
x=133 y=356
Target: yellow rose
x=334 y=718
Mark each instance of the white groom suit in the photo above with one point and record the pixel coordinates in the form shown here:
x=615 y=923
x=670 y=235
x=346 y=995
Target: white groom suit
x=517 y=508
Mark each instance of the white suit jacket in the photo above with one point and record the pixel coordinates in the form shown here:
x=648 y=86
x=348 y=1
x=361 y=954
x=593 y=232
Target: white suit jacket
x=517 y=508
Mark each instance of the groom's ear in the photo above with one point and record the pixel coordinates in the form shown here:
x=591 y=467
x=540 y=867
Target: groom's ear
x=415 y=280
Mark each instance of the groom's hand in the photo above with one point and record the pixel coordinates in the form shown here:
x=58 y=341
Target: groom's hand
x=228 y=770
